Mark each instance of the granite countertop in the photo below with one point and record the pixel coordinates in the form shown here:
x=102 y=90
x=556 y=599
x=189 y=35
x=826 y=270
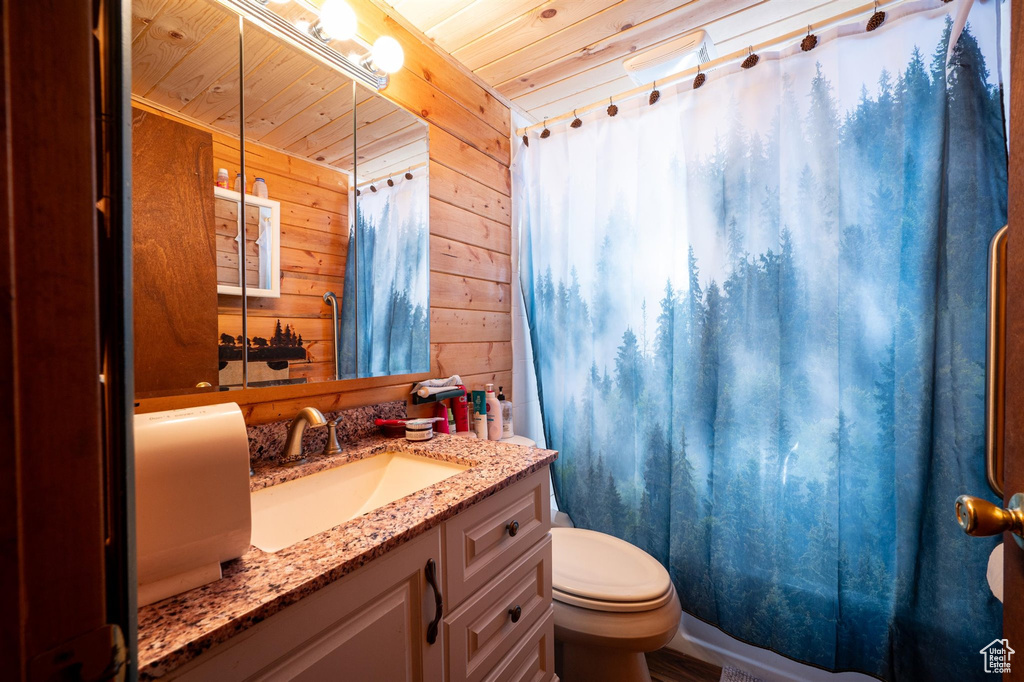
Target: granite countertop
x=259 y=584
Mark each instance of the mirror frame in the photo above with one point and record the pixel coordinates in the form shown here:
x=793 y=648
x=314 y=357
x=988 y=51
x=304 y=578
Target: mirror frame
x=275 y=403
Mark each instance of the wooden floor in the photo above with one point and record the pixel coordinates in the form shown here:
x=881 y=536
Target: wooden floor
x=669 y=666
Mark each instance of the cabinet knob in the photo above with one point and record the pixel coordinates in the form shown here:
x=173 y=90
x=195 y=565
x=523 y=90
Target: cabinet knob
x=515 y=613
x=512 y=529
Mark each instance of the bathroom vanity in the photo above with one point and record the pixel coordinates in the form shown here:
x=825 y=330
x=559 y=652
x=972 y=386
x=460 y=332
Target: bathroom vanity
x=452 y=582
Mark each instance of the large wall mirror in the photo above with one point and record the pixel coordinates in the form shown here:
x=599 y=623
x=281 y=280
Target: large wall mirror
x=280 y=208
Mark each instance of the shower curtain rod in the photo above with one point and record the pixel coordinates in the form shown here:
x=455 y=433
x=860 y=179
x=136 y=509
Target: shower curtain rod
x=398 y=173
x=737 y=56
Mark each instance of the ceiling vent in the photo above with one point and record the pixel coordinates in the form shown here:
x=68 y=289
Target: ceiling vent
x=674 y=56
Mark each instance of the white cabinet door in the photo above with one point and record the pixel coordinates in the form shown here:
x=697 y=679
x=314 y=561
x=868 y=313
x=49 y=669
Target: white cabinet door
x=370 y=625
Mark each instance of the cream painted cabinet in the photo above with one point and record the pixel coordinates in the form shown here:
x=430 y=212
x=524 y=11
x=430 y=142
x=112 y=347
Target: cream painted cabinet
x=370 y=625
x=493 y=565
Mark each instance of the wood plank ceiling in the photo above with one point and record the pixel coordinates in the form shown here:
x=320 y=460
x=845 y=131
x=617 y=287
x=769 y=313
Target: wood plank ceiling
x=185 y=61
x=551 y=56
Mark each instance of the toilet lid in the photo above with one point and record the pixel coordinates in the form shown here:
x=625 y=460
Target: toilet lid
x=520 y=440
x=595 y=567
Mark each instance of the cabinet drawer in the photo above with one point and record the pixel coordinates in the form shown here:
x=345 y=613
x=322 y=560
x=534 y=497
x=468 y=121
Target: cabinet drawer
x=479 y=544
x=533 y=659
x=481 y=632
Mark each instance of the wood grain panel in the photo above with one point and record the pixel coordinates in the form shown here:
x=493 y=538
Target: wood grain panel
x=172 y=34
x=520 y=31
x=461 y=326
x=456 y=258
x=455 y=222
x=422 y=62
x=434 y=105
x=54 y=554
x=453 y=187
x=470 y=358
x=467 y=293
x=174 y=273
x=452 y=152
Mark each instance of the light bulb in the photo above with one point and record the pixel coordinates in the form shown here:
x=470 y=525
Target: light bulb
x=387 y=54
x=337 y=19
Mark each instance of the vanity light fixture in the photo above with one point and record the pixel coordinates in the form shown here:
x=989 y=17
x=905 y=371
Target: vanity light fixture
x=337 y=21
x=386 y=55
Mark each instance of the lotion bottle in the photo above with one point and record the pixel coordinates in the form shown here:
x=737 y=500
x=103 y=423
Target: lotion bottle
x=506 y=414
x=493 y=414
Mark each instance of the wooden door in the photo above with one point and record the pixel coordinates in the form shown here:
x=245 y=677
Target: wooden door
x=175 y=258
x=1013 y=471
x=58 y=538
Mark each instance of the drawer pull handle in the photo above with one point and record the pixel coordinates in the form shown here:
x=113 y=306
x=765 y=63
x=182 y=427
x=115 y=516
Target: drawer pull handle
x=515 y=613
x=431 y=574
x=512 y=529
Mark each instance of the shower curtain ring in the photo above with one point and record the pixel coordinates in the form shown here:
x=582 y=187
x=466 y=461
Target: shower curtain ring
x=699 y=79
x=810 y=41
x=751 y=59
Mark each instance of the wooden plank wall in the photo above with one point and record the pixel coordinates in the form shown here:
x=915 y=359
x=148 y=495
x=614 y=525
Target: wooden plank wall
x=470 y=234
x=314 y=244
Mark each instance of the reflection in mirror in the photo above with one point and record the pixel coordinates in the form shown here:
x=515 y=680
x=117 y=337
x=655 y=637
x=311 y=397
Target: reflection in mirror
x=185 y=128
x=247 y=271
x=387 y=294
x=299 y=149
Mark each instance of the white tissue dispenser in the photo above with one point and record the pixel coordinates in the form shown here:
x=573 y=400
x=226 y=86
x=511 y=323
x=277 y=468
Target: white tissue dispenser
x=192 y=508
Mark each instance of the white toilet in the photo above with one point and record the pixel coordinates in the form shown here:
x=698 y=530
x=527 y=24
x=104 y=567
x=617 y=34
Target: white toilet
x=613 y=602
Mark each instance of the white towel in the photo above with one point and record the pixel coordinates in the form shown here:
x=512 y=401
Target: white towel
x=429 y=387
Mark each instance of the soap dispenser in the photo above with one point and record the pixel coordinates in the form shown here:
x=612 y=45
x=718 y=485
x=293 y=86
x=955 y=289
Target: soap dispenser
x=493 y=414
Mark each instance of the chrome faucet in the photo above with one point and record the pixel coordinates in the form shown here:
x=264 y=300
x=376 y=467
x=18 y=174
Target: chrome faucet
x=307 y=416
x=333 y=447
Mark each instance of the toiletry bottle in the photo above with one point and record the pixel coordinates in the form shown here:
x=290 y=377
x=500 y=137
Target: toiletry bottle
x=239 y=183
x=493 y=414
x=451 y=421
x=460 y=406
x=441 y=412
x=480 y=414
x=506 y=414
x=222 y=178
x=259 y=188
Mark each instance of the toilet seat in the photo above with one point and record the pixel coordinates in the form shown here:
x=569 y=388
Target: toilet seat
x=599 y=572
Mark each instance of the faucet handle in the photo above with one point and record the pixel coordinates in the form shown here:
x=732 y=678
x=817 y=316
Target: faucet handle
x=333 y=447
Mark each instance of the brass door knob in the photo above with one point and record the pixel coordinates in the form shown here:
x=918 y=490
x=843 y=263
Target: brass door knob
x=980 y=518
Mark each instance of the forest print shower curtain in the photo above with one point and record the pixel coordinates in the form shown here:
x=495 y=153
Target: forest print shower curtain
x=388 y=332
x=757 y=312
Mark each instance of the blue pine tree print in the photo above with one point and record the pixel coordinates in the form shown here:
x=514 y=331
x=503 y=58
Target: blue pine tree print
x=789 y=439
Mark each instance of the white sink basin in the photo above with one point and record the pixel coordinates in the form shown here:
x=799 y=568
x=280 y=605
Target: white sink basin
x=291 y=512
